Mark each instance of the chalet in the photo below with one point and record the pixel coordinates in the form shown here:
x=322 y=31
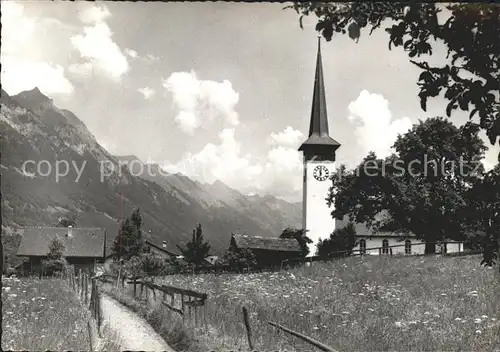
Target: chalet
x=212 y=259
x=162 y=250
x=84 y=248
x=268 y=251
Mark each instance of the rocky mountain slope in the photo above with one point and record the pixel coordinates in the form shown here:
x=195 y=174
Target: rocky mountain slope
x=33 y=129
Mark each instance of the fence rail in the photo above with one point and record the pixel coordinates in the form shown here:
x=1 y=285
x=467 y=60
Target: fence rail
x=189 y=304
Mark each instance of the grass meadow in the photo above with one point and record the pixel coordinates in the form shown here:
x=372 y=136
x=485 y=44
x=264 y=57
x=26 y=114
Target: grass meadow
x=357 y=304
x=43 y=315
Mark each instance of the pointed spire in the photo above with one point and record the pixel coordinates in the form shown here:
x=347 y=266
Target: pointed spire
x=318 y=128
x=319 y=118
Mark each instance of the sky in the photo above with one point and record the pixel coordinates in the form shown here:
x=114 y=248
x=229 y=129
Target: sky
x=213 y=90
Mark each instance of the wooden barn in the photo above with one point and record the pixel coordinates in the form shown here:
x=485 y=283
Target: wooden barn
x=84 y=248
x=268 y=251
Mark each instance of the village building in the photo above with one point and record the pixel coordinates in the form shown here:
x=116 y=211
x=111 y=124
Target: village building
x=375 y=243
x=85 y=248
x=161 y=251
x=319 y=154
x=268 y=251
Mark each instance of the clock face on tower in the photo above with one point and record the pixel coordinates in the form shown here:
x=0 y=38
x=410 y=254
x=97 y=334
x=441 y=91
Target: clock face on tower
x=321 y=173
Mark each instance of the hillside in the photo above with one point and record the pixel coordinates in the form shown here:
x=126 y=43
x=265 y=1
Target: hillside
x=33 y=128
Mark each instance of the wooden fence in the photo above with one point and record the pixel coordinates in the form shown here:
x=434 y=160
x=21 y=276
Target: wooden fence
x=86 y=288
x=189 y=304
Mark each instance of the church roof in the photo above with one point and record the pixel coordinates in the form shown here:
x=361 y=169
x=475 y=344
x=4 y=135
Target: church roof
x=318 y=129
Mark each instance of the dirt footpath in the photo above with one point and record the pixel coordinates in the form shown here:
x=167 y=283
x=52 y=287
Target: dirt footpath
x=134 y=332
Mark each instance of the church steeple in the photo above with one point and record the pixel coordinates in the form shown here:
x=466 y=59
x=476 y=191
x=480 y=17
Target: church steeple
x=318 y=129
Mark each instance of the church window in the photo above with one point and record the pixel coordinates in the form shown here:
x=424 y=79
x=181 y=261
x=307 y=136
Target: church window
x=444 y=248
x=385 y=246
x=407 y=247
x=362 y=246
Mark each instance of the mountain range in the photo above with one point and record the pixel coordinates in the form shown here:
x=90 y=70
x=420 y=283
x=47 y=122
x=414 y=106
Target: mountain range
x=34 y=129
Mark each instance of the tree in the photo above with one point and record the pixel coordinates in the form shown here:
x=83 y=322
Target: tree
x=300 y=236
x=339 y=244
x=239 y=259
x=130 y=241
x=196 y=250
x=55 y=261
x=418 y=189
x=67 y=221
x=470 y=32
x=482 y=214
x=145 y=264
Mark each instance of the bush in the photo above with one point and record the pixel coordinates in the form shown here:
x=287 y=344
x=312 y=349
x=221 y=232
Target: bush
x=340 y=243
x=240 y=259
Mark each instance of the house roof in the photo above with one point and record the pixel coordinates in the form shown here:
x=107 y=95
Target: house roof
x=84 y=242
x=266 y=243
x=160 y=248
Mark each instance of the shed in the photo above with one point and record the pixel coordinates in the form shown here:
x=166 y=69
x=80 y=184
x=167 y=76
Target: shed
x=267 y=250
x=83 y=247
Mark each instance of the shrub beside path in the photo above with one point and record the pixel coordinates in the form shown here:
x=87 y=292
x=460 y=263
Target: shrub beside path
x=135 y=333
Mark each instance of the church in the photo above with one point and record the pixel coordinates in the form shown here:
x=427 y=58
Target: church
x=319 y=152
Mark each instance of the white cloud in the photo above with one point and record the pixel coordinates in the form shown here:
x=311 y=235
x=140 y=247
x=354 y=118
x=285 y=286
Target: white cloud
x=289 y=137
x=19 y=76
x=94 y=14
x=278 y=173
x=376 y=130
x=132 y=53
x=82 y=70
x=147 y=92
x=201 y=100
x=24 y=56
x=152 y=57
x=222 y=162
x=97 y=46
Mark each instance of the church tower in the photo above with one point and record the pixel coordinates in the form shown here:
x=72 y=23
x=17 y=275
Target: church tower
x=319 y=164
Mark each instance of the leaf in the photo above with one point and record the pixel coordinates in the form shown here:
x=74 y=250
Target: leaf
x=463 y=102
x=425 y=76
x=473 y=112
x=354 y=30
x=423 y=101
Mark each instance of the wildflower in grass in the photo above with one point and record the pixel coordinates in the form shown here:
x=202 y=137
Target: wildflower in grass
x=458 y=319
x=477 y=321
x=478 y=331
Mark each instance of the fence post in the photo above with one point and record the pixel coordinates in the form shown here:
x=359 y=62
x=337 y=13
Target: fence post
x=154 y=291
x=189 y=309
x=86 y=289
x=135 y=287
x=247 y=326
